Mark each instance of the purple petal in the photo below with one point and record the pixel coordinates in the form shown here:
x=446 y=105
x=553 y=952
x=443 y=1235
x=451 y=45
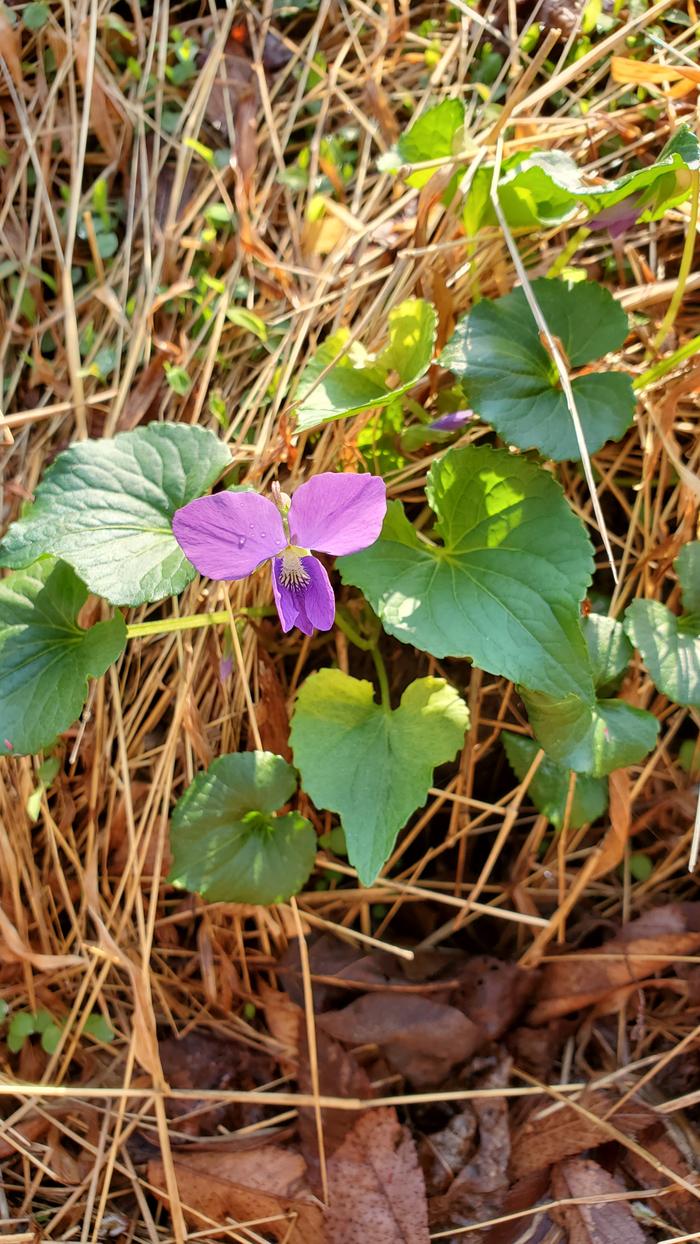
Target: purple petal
x=308 y=606
x=228 y=535
x=452 y=422
x=618 y=218
x=337 y=513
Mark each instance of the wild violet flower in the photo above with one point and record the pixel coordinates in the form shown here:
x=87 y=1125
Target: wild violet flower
x=452 y=422
x=618 y=218
x=228 y=535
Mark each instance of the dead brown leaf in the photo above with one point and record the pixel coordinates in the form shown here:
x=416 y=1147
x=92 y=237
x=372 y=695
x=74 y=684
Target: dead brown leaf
x=492 y=993
x=200 y=1061
x=421 y=1039
x=642 y=948
x=377 y=1191
x=681 y=1207
x=617 y=837
x=234 y=97
x=271 y=710
x=540 y=1142
x=607 y=1222
x=143 y=396
x=265 y=1185
x=109 y=122
x=339 y=1075
x=10 y=51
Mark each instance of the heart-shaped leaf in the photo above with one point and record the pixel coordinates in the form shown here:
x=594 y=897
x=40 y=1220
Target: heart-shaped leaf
x=670 y=647
x=228 y=844
x=360 y=381
x=609 y=649
x=510 y=379
x=372 y=766
x=106 y=508
x=504 y=586
x=436 y=134
x=593 y=739
x=46 y=659
x=549 y=788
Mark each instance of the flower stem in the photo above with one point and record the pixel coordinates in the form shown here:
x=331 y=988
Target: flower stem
x=367 y=645
x=686 y=261
x=562 y=260
x=382 y=679
x=652 y=374
x=193 y=621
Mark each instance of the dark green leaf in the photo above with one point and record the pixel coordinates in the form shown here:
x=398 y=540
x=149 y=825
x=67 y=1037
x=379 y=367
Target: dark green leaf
x=372 y=766
x=608 y=647
x=549 y=788
x=688 y=570
x=670 y=647
x=503 y=587
x=106 y=507
x=228 y=845
x=45 y=657
x=512 y=383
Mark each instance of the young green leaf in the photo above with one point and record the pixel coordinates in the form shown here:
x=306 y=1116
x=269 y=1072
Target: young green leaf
x=372 y=766
x=549 y=788
x=46 y=659
x=503 y=587
x=670 y=647
x=226 y=840
x=20 y=1027
x=35 y=15
x=688 y=570
x=593 y=739
x=96 y=1026
x=436 y=134
x=512 y=383
x=360 y=381
x=106 y=508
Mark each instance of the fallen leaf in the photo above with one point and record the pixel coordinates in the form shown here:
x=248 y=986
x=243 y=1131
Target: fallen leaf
x=608 y=1221
x=142 y=397
x=110 y=123
x=492 y=993
x=200 y=1061
x=478 y=1189
x=421 y=1039
x=339 y=1075
x=681 y=1207
x=617 y=837
x=642 y=948
x=264 y=1185
x=10 y=49
x=623 y=69
x=525 y=1194
x=564 y=1132
x=271 y=709
x=284 y=1020
x=234 y=94
x=377 y=1191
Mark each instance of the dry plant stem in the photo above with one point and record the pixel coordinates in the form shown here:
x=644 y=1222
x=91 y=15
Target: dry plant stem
x=684 y=270
x=311 y=1040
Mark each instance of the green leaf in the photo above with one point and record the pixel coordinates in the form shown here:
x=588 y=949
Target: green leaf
x=178 y=379
x=503 y=588
x=593 y=739
x=608 y=647
x=549 y=788
x=33 y=804
x=512 y=383
x=228 y=845
x=4 y=1009
x=660 y=185
x=670 y=647
x=106 y=507
x=20 y=1027
x=36 y=15
x=372 y=766
x=360 y=381
x=436 y=134
x=107 y=244
x=688 y=570
x=252 y=323
x=96 y=1026
x=50 y=1037
x=46 y=659
x=48 y=770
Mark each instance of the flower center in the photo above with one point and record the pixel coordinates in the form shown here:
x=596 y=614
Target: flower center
x=292 y=573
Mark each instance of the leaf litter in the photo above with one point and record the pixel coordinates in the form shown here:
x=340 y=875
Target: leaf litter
x=209 y=1005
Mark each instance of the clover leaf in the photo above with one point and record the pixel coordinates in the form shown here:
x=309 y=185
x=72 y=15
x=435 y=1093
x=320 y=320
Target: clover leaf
x=504 y=584
x=46 y=659
x=227 y=842
x=594 y=737
x=372 y=766
x=549 y=788
x=106 y=507
x=361 y=381
x=510 y=379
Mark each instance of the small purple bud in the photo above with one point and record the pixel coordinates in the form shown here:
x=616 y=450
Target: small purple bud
x=225 y=668
x=452 y=422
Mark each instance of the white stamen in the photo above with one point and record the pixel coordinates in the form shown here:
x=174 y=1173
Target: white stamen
x=292 y=573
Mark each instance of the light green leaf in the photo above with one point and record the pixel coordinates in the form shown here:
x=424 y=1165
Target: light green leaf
x=360 y=381
x=226 y=841
x=46 y=659
x=106 y=507
x=608 y=647
x=35 y=15
x=20 y=1027
x=436 y=134
x=242 y=318
x=511 y=382
x=593 y=739
x=96 y=1026
x=687 y=566
x=50 y=1038
x=670 y=647
x=503 y=588
x=549 y=788
x=372 y=766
